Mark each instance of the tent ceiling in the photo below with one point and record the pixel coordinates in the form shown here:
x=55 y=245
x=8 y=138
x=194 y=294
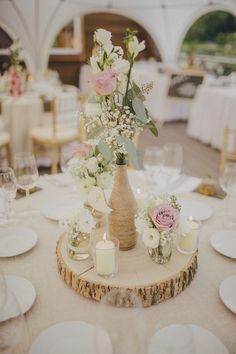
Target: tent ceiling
x=37 y=22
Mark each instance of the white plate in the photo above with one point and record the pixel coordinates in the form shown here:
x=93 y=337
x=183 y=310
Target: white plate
x=16 y=240
x=185 y=339
x=57 y=209
x=73 y=337
x=224 y=241
x=227 y=292
x=24 y=293
x=197 y=210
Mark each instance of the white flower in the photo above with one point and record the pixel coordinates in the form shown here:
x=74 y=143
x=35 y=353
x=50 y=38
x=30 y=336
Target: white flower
x=105 y=180
x=140 y=225
x=135 y=47
x=87 y=183
x=92 y=164
x=108 y=48
x=121 y=66
x=96 y=199
x=92 y=109
x=151 y=237
x=118 y=50
x=77 y=221
x=94 y=64
x=102 y=37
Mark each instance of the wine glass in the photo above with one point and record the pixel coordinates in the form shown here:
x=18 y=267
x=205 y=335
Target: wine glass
x=153 y=166
x=13 y=334
x=227 y=182
x=26 y=172
x=173 y=160
x=8 y=184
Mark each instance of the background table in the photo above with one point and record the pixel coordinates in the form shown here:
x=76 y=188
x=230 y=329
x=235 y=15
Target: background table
x=213 y=108
x=199 y=304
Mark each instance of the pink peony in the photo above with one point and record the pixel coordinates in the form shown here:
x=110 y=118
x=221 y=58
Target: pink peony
x=82 y=150
x=165 y=217
x=104 y=83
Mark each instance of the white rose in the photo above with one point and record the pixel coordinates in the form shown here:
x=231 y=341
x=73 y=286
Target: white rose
x=102 y=36
x=92 y=164
x=105 y=180
x=92 y=109
x=135 y=47
x=151 y=237
x=121 y=66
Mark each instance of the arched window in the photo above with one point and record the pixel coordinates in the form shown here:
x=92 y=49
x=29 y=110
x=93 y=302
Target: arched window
x=210 y=43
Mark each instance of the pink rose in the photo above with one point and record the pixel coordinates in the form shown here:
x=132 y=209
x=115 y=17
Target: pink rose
x=82 y=150
x=104 y=83
x=165 y=217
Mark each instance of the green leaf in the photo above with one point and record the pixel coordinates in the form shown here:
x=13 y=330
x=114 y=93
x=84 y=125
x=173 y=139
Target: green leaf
x=139 y=110
x=95 y=132
x=138 y=92
x=152 y=127
x=132 y=152
x=104 y=150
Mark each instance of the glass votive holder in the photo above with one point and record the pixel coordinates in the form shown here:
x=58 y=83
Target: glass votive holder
x=105 y=256
x=187 y=242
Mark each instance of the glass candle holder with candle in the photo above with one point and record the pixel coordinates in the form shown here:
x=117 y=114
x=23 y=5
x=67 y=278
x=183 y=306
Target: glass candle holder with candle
x=187 y=239
x=106 y=256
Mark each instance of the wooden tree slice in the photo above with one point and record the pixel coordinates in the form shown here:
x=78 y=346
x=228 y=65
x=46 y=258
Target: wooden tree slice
x=138 y=274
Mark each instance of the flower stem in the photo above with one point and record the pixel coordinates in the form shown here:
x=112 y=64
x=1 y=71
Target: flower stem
x=128 y=81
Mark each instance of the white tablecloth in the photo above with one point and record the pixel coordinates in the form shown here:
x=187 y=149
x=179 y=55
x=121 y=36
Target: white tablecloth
x=213 y=108
x=199 y=304
x=19 y=115
x=160 y=106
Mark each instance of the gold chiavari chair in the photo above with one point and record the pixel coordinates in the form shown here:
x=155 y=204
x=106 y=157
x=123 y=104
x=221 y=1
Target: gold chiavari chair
x=228 y=151
x=63 y=128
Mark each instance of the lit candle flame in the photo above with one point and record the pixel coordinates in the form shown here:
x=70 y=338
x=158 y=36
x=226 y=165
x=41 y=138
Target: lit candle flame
x=138 y=191
x=190 y=218
x=104 y=237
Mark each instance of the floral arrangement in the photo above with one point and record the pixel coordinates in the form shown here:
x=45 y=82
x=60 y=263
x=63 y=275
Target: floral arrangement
x=116 y=113
x=78 y=221
x=158 y=223
x=13 y=80
x=92 y=173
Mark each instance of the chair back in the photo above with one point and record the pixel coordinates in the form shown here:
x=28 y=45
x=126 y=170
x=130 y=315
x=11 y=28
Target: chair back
x=65 y=111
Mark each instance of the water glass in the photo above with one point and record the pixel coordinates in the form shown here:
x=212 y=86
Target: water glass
x=9 y=186
x=153 y=165
x=26 y=172
x=173 y=159
x=227 y=182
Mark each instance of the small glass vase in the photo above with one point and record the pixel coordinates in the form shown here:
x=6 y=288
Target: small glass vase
x=78 y=247
x=162 y=253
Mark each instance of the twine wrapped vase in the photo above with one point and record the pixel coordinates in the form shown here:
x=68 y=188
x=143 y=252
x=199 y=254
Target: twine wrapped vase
x=124 y=207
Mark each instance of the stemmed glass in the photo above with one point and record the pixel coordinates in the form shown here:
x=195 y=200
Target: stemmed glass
x=8 y=184
x=26 y=172
x=153 y=165
x=228 y=184
x=173 y=160
x=13 y=334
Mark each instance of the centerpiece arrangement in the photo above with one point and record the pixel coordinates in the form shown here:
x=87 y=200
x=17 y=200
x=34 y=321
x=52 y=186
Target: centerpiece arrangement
x=159 y=223
x=116 y=117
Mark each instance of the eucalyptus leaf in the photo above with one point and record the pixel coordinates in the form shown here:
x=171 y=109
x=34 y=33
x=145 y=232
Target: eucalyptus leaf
x=104 y=150
x=152 y=127
x=139 y=110
x=132 y=152
x=138 y=92
x=95 y=132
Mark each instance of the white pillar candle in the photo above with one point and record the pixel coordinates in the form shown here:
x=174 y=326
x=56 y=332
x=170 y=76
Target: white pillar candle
x=105 y=257
x=188 y=241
